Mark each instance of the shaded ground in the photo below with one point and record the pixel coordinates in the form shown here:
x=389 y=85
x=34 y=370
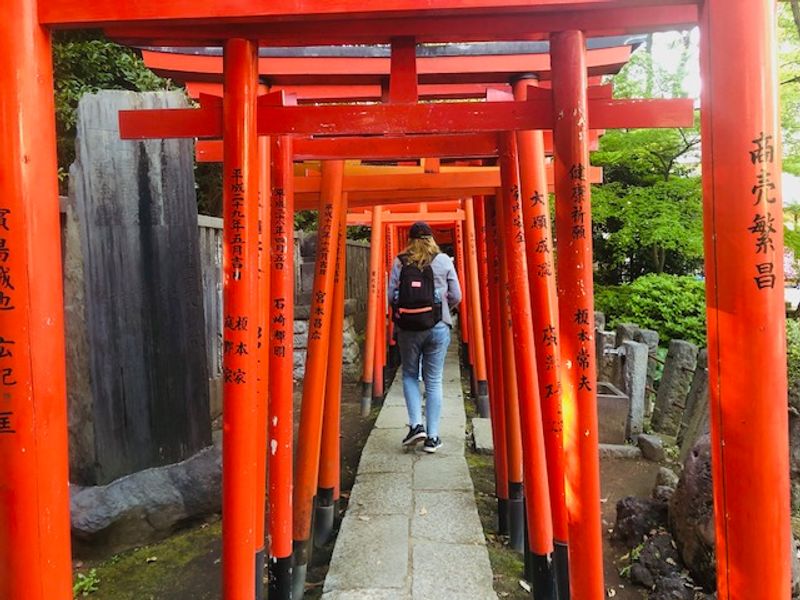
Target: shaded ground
x=187 y=565
x=619 y=478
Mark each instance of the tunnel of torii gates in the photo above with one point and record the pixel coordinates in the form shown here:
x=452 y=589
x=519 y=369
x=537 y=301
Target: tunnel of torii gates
x=530 y=334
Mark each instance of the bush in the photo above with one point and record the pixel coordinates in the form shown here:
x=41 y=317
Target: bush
x=793 y=350
x=675 y=306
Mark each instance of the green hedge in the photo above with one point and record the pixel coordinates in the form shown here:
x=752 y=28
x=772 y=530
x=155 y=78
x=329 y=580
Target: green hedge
x=670 y=304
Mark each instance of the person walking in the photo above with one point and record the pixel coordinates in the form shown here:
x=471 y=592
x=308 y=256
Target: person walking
x=424 y=288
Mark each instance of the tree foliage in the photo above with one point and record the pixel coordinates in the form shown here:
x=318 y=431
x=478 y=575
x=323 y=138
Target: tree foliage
x=85 y=62
x=672 y=305
x=647 y=229
x=648 y=213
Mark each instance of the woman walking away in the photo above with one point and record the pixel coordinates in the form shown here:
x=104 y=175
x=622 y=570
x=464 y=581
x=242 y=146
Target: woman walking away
x=423 y=287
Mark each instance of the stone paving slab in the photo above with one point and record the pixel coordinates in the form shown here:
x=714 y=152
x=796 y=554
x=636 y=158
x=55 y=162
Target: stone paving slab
x=375 y=594
x=370 y=553
x=482 y=435
x=381 y=494
x=441 y=472
x=449 y=517
x=412 y=531
x=452 y=571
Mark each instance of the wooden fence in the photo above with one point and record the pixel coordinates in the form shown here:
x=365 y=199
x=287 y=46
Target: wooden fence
x=211 y=266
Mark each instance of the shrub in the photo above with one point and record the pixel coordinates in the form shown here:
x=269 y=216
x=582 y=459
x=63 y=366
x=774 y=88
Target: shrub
x=672 y=305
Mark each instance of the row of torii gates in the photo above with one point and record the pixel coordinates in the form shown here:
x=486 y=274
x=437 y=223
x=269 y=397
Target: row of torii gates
x=528 y=317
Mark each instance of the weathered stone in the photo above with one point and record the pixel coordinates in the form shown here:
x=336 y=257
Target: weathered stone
x=667 y=477
x=660 y=557
x=651 y=338
x=146 y=506
x=652 y=447
x=648 y=337
x=370 y=553
x=599 y=320
x=445 y=473
x=673 y=588
x=482 y=435
x=691 y=515
x=662 y=493
x=381 y=494
x=620 y=451
x=452 y=571
x=638 y=517
x=613 y=409
x=695 y=421
x=141 y=343
x=634 y=379
x=698 y=392
x=674 y=387
x=641 y=576
x=625 y=332
x=446 y=517
x=606 y=355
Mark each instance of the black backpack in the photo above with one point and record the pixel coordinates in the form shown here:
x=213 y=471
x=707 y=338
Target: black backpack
x=416 y=308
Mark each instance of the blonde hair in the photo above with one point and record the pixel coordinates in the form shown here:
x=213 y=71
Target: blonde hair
x=420 y=252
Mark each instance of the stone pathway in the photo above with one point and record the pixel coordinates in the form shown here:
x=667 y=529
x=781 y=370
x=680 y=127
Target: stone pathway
x=412 y=529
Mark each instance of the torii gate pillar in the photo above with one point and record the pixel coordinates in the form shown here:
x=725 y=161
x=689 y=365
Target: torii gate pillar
x=34 y=498
x=744 y=289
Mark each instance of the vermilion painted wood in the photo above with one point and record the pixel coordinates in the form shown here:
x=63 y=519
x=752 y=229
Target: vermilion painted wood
x=509 y=367
x=107 y=11
x=437 y=71
x=34 y=491
x=240 y=292
x=478 y=145
x=281 y=360
x=406 y=219
x=497 y=393
x=512 y=227
x=747 y=381
x=264 y=245
x=403 y=82
x=576 y=316
x=544 y=307
x=309 y=438
x=313 y=94
x=329 y=471
x=460 y=26
x=381 y=119
x=372 y=308
x=475 y=284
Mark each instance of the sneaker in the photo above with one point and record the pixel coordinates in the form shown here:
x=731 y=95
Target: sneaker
x=415 y=434
x=432 y=444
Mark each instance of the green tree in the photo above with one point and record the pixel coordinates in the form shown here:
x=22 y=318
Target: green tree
x=789 y=74
x=648 y=213
x=85 y=62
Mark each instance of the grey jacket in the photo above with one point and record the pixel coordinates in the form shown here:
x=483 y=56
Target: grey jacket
x=444 y=280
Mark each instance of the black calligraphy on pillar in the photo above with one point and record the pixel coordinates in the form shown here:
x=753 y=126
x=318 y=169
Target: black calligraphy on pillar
x=278 y=330
x=324 y=243
x=238 y=223
x=549 y=336
x=280 y=240
x=6 y=422
x=7 y=289
x=577 y=174
x=762 y=225
x=315 y=325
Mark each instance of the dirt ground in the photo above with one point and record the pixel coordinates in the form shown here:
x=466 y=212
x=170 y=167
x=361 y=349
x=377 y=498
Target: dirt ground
x=618 y=478
x=186 y=566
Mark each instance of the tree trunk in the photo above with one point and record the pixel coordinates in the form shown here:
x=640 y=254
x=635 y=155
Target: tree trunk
x=796 y=13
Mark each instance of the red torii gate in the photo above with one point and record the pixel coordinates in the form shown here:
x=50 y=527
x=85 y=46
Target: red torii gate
x=741 y=169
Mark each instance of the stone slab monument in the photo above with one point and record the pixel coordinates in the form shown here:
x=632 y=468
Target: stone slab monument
x=136 y=348
x=673 y=390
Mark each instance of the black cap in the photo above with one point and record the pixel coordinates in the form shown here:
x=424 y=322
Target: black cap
x=420 y=230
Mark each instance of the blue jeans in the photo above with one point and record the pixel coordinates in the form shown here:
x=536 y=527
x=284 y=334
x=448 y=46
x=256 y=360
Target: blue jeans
x=431 y=345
